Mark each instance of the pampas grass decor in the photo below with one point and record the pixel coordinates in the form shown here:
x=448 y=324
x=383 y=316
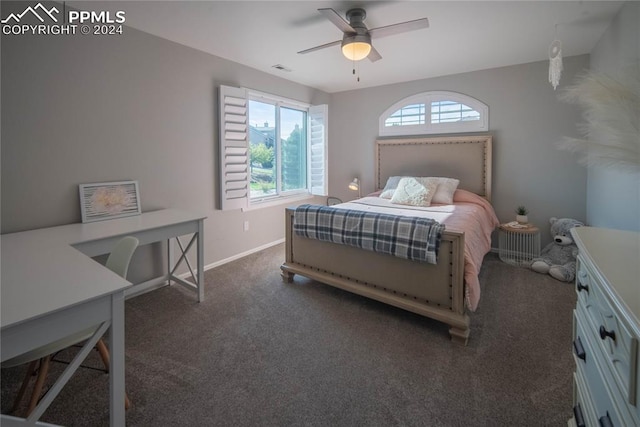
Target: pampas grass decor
x=611 y=110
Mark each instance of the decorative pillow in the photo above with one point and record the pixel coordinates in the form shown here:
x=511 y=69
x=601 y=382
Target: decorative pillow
x=445 y=190
x=414 y=192
x=390 y=187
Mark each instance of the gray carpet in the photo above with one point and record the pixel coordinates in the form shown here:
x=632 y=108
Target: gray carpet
x=260 y=352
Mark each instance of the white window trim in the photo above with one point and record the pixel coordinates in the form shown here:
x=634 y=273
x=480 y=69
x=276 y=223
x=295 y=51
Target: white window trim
x=274 y=199
x=278 y=200
x=287 y=102
x=427 y=98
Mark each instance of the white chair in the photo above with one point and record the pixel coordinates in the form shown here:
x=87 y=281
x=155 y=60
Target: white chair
x=118 y=262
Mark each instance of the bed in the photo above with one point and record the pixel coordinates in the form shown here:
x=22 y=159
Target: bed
x=444 y=291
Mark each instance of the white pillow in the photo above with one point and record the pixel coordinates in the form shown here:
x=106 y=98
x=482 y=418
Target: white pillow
x=414 y=192
x=445 y=190
x=390 y=187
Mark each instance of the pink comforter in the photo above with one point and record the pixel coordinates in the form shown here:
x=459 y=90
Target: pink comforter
x=469 y=213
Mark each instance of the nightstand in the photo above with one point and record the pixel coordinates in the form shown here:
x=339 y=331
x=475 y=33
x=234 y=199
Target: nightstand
x=518 y=243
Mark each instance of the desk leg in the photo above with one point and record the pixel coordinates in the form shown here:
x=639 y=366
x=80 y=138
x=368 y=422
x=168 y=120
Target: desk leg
x=116 y=363
x=197 y=277
x=169 y=260
x=200 y=261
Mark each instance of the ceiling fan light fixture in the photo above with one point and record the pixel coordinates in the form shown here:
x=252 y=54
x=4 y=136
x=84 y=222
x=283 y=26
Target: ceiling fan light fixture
x=356 y=37
x=356 y=48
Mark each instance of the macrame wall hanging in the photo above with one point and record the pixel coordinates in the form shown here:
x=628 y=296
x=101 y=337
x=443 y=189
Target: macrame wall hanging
x=611 y=127
x=555 y=61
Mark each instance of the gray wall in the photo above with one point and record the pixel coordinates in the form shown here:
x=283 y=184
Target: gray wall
x=613 y=198
x=79 y=109
x=526 y=121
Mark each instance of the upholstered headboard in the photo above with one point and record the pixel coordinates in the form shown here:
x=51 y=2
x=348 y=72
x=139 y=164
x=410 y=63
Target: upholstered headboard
x=467 y=158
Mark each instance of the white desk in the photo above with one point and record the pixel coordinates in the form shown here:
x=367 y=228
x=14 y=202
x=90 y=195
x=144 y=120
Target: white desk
x=49 y=289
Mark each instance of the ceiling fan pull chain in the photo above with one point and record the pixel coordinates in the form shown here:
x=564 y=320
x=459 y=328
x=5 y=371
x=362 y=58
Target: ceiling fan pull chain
x=356 y=65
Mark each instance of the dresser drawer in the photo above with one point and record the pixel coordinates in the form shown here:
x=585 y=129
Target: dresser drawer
x=608 y=332
x=583 y=412
x=601 y=403
x=583 y=284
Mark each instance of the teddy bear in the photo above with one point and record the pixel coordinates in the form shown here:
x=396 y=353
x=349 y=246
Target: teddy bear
x=558 y=258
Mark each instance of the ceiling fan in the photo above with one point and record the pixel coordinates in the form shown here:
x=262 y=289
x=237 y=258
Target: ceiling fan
x=356 y=39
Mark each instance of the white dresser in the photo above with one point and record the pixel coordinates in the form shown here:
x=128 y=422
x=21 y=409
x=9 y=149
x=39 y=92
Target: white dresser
x=606 y=328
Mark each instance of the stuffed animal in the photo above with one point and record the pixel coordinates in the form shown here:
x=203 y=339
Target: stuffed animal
x=558 y=258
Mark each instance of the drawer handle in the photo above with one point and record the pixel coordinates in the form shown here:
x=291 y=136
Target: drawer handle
x=605 y=421
x=579 y=349
x=604 y=333
x=577 y=414
x=582 y=287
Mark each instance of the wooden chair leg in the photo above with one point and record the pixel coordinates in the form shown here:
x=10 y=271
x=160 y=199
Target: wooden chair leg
x=104 y=355
x=37 y=388
x=42 y=376
x=25 y=383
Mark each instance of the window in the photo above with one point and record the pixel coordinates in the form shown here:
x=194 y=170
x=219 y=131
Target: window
x=434 y=112
x=408 y=115
x=277 y=148
x=271 y=148
x=451 y=111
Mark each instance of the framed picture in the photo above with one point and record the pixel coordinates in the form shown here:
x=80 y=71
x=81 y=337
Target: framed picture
x=109 y=200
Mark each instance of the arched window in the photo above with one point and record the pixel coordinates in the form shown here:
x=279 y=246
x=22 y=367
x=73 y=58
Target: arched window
x=434 y=112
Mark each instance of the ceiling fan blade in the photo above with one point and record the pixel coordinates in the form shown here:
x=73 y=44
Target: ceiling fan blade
x=337 y=20
x=322 y=46
x=374 y=55
x=402 y=27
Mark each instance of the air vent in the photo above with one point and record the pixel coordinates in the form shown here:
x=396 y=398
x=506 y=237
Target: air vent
x=281 y=68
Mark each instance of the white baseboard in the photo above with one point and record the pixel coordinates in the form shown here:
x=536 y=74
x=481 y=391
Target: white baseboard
x=235 y=257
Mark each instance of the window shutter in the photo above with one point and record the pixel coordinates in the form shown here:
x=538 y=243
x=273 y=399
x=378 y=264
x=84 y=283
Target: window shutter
x=234 y=149
x=318 y=115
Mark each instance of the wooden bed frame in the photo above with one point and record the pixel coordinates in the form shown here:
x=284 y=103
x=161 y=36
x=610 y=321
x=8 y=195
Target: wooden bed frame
x=435 y=291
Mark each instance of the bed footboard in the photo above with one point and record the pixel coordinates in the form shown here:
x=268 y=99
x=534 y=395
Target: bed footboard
x=431 y=290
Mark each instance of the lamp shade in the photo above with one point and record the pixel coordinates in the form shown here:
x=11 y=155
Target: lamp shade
x=355 y=185
x=356 y=47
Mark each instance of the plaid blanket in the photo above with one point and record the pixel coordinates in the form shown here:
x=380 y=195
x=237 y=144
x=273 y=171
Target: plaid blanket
x=402 y=236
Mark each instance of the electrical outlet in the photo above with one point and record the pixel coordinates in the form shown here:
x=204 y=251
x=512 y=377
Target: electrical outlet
x=246 y=226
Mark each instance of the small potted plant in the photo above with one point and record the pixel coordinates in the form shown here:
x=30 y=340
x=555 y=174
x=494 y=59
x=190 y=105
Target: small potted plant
x=521 y=215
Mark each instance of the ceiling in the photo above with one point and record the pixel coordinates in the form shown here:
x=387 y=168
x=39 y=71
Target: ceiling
x=463 y=35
